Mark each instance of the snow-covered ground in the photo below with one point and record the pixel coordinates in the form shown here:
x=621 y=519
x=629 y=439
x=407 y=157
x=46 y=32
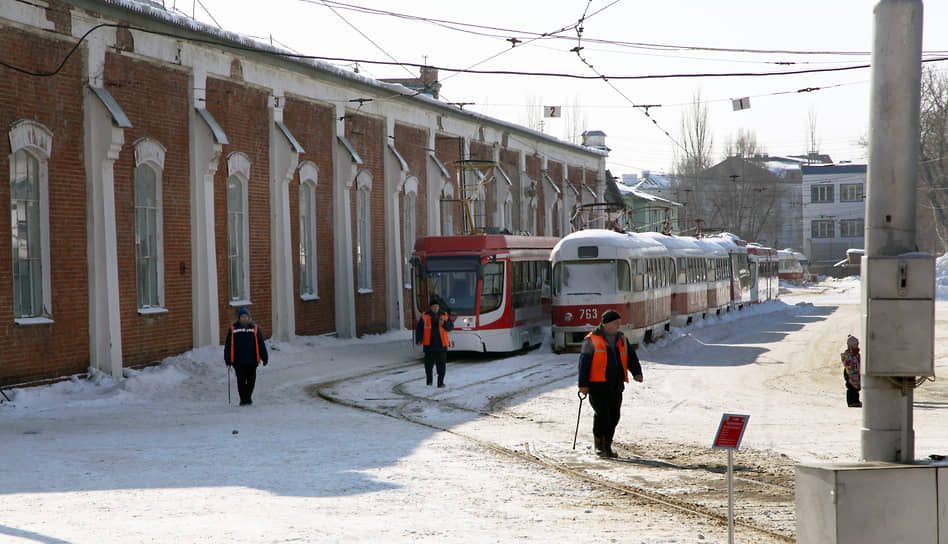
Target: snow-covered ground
x=161 y=457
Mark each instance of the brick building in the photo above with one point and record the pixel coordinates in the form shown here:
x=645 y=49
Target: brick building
x=170 y=172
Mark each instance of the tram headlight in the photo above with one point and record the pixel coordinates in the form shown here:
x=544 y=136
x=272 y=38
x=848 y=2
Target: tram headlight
x=568 y=317
x=467 y=321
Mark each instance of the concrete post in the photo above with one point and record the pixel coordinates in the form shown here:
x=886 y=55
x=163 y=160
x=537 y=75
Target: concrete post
x=890 y=202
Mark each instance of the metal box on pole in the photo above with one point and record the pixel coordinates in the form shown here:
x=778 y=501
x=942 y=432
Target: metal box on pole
x=899 y=314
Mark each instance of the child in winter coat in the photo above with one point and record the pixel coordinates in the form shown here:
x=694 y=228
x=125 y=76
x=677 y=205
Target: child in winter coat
x=850 y=359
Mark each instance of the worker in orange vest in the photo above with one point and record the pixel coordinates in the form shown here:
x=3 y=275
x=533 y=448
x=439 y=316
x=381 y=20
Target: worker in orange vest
x=432 y=333
x=605 y=361
x=245 y=349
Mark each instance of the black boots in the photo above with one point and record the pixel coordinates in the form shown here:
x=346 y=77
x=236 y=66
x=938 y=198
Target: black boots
x=604 y=447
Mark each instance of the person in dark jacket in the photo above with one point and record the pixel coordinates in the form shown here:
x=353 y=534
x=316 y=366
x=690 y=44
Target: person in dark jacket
x=244 y=349
x=605 y=361
x=432 y=333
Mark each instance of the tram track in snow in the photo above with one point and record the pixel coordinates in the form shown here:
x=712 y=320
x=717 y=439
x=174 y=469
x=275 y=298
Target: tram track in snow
x=588 y=469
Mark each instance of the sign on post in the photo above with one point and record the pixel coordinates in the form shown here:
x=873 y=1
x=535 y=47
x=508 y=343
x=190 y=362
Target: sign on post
x=730 y=432
x=552 y=111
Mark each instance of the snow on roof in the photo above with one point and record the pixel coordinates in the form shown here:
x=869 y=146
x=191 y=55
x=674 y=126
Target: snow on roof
x=241 y=41
x=606 y=237
x=638 y=193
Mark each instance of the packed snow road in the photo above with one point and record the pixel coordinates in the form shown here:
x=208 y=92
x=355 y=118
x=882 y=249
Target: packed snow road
x=345 y=443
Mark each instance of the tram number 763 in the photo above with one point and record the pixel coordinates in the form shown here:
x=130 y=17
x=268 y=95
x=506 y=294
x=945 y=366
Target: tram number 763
x=589 y=314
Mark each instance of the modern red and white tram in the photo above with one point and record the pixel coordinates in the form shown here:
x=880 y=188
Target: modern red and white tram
x=598 y=270
x=496 y=287
x=689 y=299
x=763 y=266
x=738 y=267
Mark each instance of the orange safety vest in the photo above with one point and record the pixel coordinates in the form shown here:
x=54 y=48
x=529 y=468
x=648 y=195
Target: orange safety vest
x=256 y=343
x=597 y=371
x=426 y=339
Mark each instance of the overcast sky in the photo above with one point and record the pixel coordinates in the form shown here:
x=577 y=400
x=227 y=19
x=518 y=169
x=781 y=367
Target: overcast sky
x=779 y=121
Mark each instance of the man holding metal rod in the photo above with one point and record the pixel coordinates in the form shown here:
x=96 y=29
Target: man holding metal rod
x=605 y=361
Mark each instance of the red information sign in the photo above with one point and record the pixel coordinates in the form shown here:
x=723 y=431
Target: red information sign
x=730 y=432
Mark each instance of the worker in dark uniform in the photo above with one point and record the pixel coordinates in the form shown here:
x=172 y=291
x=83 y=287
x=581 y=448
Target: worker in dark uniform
x=432 y=333
x=245 y=349
x=605 y=361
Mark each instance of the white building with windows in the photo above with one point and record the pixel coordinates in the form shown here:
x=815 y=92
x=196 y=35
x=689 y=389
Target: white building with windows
x=834 y=211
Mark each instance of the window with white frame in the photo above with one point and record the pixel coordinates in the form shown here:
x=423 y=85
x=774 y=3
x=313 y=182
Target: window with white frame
x=237 y=242
x=31 y=145
x=850 y=192
x=821 y=194
x=851 y=228
x=364 y=239
x=25 y=198
x=308 y=284
x=821 y=228
x=147 y=236
x=409 y=224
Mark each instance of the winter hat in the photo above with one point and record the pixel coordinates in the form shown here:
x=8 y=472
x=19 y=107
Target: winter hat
x=852 y=341
x=243 y=310
x=610 y=315
x=435 y=299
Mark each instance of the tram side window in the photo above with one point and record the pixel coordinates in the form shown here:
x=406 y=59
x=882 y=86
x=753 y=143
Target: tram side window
x=492 y=287
x=638 y=278
x=622 y=276
x=418 y=288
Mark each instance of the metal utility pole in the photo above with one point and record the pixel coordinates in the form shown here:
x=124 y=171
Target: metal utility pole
x=898 y=315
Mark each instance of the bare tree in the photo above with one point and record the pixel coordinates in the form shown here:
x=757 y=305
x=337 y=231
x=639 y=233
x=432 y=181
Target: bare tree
x=812 y=142
x=693 y=157
x=933 y=163
x=743 y=145
x=534 y=113
x=575 y=122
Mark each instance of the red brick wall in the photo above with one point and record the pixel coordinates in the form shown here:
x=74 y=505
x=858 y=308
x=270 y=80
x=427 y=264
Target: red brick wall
x=156 y=102
x=242 y=113
x=313 y=127
x=535 y=174
x=367 y=135
x=448 y=151
x=411 y=143
x=43 y=351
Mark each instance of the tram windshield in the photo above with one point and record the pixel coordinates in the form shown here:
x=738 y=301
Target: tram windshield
x=590 y=277
x=454 y=280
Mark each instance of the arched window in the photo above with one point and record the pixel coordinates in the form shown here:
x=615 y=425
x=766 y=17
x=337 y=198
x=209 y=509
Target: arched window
x=447 y=210
x=364 y=232
x=31 y=144
x=308 y=269
x=149 y=250
x=146 y=236
x=238 y=230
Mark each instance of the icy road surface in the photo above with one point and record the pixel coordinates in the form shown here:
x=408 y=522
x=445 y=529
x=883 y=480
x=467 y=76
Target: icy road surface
x=155 y=457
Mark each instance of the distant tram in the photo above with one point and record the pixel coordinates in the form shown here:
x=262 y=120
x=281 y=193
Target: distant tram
x=653 y=280
x=791 y=266
x=497 y=288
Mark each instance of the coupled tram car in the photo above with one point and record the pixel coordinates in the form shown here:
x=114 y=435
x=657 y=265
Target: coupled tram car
x=496 y=288
x=655 y=281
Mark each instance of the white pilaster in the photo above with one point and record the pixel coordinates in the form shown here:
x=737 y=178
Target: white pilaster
x=344 y=174
x=283 y=162
x=395 y=176
x=103 y=141
x=205 y=155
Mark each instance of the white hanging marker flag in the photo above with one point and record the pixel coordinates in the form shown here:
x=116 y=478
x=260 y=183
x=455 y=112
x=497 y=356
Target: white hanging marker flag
x=552 y=111
x=741 y=103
